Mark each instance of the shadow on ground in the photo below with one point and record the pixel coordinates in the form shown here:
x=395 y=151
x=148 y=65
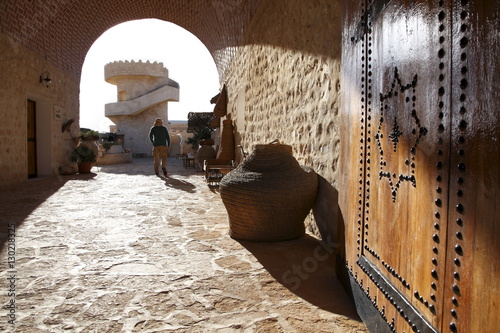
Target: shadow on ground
x=306 y=267
x=179 y=184
x=18 y=202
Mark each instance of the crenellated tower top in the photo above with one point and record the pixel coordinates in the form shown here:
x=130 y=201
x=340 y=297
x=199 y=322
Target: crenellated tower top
x=117 y=70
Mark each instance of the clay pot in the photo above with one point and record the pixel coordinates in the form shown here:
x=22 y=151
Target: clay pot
x=85 y=167
x=205 y=152
x=226 y=149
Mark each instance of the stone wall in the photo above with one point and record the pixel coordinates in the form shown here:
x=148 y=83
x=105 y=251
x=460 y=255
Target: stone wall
x=144 y=90
x=285 y=83
x=136 y=128
x=178 y=136
x=125 y=74
x=20 y=70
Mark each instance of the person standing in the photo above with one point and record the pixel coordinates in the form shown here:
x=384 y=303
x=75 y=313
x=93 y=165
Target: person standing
x=159 y=137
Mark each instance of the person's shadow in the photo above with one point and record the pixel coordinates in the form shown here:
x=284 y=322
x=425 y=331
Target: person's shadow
x=179 y=184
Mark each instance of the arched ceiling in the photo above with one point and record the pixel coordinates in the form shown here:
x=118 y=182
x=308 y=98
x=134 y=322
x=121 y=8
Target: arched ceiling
x=62 y=31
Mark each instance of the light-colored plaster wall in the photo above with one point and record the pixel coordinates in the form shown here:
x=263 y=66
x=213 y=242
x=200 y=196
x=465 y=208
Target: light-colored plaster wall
x=178 y=136
x=136 y=128
x=144 y=90
x=135 y=78
x=285 y=83
x=20 y=70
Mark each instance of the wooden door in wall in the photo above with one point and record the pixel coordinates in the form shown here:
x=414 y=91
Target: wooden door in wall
x=31 y=135
x=421 y=163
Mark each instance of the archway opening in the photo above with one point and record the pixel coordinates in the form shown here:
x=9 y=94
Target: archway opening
x=187 y=59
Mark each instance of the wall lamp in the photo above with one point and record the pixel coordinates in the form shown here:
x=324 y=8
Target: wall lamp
x=45 y=79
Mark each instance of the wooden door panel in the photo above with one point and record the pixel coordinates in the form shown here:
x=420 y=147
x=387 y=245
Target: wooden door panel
x=473 y=266
x=352 y=116
x=409 y=152
x=31 y=138
x=420 y=111
x=391 y=189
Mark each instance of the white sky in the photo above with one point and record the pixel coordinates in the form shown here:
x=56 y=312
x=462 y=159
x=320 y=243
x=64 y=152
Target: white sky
x=188 y=62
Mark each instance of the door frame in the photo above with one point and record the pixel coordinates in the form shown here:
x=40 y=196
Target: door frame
x=44 y=123
x=31 y=156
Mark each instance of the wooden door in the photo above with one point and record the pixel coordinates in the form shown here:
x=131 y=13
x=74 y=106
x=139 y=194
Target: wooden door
x=422 y=186
x=31 y=135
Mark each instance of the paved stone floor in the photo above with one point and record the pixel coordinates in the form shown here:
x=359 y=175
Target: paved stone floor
x=122 y=250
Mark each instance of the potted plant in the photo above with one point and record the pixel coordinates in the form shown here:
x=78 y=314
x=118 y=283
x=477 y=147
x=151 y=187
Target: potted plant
x=85 y=157
x=88 y=135
x=202 y=142
x=201 y=136
x=107 y=145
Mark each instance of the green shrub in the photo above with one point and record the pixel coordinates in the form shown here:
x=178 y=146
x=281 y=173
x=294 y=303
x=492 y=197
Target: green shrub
x=82 y=153
x=203 y=133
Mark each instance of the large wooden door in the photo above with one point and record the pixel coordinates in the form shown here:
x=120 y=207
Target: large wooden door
x=31 y=136
x=422 y=166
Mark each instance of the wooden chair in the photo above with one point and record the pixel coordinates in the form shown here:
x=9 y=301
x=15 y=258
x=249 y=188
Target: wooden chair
x=215 y=169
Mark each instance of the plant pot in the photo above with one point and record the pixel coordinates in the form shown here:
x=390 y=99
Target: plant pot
x=205 y=152
x=207 y=142
x=85 y=167
x=226 y=149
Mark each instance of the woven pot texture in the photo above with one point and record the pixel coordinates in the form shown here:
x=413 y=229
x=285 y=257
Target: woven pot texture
x=269 y=195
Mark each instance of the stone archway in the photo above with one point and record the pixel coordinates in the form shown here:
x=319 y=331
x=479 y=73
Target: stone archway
x=54 y=36
x=63 y=32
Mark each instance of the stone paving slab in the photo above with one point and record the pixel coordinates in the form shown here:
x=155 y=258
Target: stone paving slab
x=122 y=250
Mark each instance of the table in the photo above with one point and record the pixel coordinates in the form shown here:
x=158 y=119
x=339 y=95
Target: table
x=189 y=162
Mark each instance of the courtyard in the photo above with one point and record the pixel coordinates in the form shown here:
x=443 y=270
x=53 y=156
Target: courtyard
x=122 y=250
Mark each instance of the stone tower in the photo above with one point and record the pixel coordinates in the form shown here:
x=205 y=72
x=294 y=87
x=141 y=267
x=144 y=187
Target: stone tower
x=144 y=90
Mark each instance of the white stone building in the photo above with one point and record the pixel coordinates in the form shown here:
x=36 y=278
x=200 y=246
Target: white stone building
x=143 y=92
